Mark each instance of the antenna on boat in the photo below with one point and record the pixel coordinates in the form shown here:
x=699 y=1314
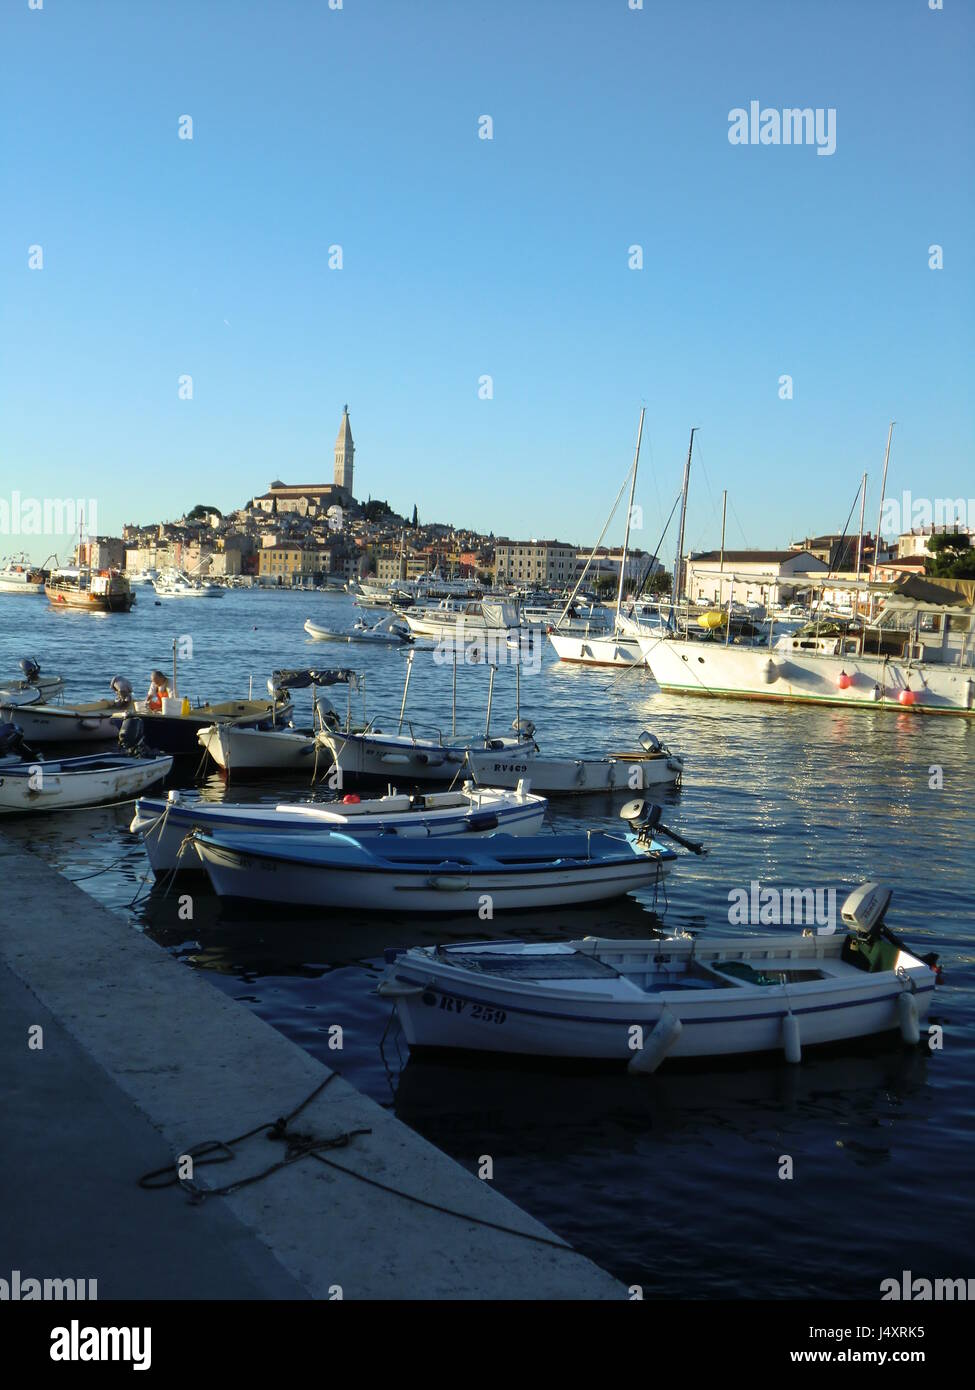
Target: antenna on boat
x=175 y=690
x=409 y=671
x=487 y=722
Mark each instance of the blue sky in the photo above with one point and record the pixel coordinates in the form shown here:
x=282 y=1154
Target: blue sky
x=465 y=257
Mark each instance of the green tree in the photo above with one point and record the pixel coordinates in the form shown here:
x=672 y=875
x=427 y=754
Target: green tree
x=200 y=511
x=950 y=557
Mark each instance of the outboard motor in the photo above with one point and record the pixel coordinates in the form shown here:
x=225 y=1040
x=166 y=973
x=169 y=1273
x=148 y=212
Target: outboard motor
x=12 y=743
x=30 y=668
x=123 y=690
x=131 y=737
x=650 y=743
x=327 y=713
x=871 y=945
x=645 y=821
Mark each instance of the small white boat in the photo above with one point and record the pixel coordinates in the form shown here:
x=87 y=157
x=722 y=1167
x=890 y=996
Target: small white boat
x=33 y=785
x=19 y=576
x=390 y=631
x=236 y=749
x=641 y=1002
x=166 y=824
x=449 y=874
x=177 y=584
x=32 y=689
x=90 y=722
x=652 y=765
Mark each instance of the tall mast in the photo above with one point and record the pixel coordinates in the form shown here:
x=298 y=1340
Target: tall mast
x=863 y=503
x=678 y=573
x=883 y=489
x=629 y=517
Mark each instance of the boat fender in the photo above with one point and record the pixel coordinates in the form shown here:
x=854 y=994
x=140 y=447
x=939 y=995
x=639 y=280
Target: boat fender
x=791 y=1043
x=351 y=799
x=662 y=1039
x=908 y=1019
x=770 y=672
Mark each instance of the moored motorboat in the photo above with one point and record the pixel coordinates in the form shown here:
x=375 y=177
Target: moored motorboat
x=390 y=631
x=166 y=824
x=19 y=576
x=34 y=785
x=32 y=688
x=237 y=748
x=641 y=1002
x=91 y=721
x=175 y=728
x=636 y=770
x=449 y=874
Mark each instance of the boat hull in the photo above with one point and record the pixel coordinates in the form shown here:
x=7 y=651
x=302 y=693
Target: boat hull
x=440 y=1008
x=111 y=601
x=756 y=673
x=178 y=733
x=371 y=759
x=597 y=651
x=629 y=774
x=236 y=749
x=66 y=783
x=42 y=723
x=165 y=825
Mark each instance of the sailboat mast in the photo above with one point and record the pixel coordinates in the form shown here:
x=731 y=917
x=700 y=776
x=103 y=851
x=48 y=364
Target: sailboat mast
x=675 y=592
x=629 y=518
x=863 y=503
x=883 y=489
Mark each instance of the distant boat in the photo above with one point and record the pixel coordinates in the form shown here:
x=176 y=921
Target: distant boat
x=95 y=591
x=19 y=576
x=639 y=1003
x=165 y=824
x=597 y=647
x=177 y=584
x=390 y=631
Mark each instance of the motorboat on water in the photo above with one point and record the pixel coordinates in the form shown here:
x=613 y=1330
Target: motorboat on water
x=916 y=655
x=630 y=771
x=279 y=746
x=166 y=824
x=639 y=1003
x=390 y=631
x=95 y=591
x=174 y=583
x=29 y=783
x=449 y=874
x=19 y=576
x=32 y=689
x=89 y=721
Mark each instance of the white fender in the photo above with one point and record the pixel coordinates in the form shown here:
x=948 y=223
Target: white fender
x=907 y=1017
x=662 y=1039
x=791 y=1042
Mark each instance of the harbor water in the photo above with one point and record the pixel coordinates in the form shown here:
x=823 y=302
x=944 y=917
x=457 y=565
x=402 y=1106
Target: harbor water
x=676 y=1183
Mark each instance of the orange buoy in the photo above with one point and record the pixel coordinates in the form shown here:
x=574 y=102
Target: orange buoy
x=351 y=799
x=907 y=697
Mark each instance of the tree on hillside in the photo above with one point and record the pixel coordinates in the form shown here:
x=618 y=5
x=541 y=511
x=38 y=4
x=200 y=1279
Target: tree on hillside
x=199 y=512
x=415 y=523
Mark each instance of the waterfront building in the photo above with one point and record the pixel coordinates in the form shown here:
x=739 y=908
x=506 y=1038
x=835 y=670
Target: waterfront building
x=757 y=576
x=534 y=562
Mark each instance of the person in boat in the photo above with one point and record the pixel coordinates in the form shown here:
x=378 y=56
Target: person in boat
x=123 y=691
x=158 y=690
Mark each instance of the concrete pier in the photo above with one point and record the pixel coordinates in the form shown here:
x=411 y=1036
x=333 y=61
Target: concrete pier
x=142 y=1059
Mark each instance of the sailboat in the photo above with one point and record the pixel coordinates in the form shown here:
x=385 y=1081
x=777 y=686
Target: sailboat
x=597 y=647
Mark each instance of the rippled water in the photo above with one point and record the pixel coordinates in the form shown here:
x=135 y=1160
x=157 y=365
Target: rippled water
x=671 y=1181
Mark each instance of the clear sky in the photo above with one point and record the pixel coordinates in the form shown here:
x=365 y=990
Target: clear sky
x=466 y=257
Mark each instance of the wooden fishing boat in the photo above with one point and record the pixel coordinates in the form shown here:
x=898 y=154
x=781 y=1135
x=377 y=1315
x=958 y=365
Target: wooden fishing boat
x=31 y=786
x=175 y=728
x=95 y=591
x=641 y=1002
x=166 y=824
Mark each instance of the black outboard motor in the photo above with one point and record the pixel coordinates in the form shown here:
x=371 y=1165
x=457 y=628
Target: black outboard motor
x=12 y=741
x=131 y=737
x=30 y=668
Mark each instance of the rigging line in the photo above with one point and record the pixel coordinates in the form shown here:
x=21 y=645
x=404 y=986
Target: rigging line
x=840 y=548
x=741 y=528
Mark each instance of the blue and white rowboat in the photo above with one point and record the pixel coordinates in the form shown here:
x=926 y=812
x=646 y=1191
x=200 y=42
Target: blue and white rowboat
x=166 y=824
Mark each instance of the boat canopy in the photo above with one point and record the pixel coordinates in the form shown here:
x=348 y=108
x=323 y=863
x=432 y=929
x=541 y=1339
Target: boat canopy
x=302 y=679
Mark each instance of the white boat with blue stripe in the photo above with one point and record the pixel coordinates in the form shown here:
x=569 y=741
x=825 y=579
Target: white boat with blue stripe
x=165 y=825
x=451 y=874
x=641 y=1002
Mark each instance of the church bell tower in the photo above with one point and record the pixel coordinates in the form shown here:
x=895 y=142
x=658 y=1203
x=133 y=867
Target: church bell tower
x=344 y=453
